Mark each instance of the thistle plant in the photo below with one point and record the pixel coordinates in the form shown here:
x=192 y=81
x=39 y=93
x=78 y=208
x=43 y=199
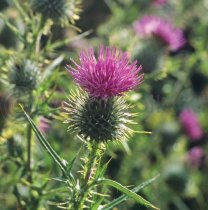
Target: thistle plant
x=98 y=113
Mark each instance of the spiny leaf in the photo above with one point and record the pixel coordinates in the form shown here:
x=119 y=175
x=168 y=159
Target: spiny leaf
x=127 y=192
x=60 y=162
x=122 y=198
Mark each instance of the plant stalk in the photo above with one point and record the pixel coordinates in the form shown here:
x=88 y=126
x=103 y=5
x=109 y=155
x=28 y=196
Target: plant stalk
x=29 y=139
x=92 y=161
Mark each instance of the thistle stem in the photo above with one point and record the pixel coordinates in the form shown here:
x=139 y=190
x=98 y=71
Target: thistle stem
x=29 y=138
x=93 y=158
x=91 y=162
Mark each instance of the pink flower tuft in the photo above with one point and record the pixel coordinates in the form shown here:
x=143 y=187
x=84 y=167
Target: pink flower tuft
x=109 y=74
x=190 y=123
x=159 y=2
x=163 y=29
x=44 y=125
x=195 y=156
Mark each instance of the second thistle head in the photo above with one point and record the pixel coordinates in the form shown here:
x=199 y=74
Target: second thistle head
x=161 y=28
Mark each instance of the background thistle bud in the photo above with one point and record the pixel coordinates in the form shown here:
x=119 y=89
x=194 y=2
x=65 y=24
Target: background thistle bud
x=57 y=10
x=98 y=120
x=7 y=37
x=176 y=177
x=3 y=4
x=151 y=53
x=5 y=104
x=23 y=75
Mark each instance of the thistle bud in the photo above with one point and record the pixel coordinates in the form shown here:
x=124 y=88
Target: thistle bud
x=23 y=75
x=176 y=177
x=151 y=53
x=98 y=120
x=3 y=4
x=57 y=10
x=7 y=37
x=5 y=104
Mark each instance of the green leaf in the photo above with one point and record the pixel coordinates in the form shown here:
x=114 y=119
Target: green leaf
x=68 y=40
x=122 y=198
x=97 y=204
x=60 y=162
x=127 y=192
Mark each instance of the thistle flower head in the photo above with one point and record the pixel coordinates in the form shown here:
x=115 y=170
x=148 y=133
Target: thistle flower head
x=159 y=2
x=190 y=123
x=195 y=156
x=161 y=28
x=96 y=119
x=57 y=10
x=44 y=125
x=110 y=74
x=23 y=75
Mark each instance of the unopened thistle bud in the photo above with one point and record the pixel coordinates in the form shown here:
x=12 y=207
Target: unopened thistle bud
x=23 y=75
x=5 y=104
x=3 y=4
x=99 y=112
x=57 y=10
x=151 y=53
x=175 y=175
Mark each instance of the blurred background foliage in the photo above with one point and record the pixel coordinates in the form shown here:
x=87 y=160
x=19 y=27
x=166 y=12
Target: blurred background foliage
x=175 y=80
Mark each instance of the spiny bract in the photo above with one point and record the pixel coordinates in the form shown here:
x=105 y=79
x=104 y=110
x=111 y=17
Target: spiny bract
x=98 y=120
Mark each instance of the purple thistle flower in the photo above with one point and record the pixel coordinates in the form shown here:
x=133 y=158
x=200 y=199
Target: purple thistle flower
x=159 y=2
x=189 y=122
x=44 y=125
x=161 y=28
x=110 y=74
x=195 y=156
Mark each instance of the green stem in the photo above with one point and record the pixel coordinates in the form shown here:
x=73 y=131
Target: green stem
x=21 y=10
x=29 y=138
x=92 y=161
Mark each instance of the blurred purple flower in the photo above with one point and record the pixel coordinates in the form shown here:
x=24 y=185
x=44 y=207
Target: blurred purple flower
x=161 y=28
x=195 y=156
x=159 y=2
x=110 y=74
x=44 y=125
x=189 y=121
